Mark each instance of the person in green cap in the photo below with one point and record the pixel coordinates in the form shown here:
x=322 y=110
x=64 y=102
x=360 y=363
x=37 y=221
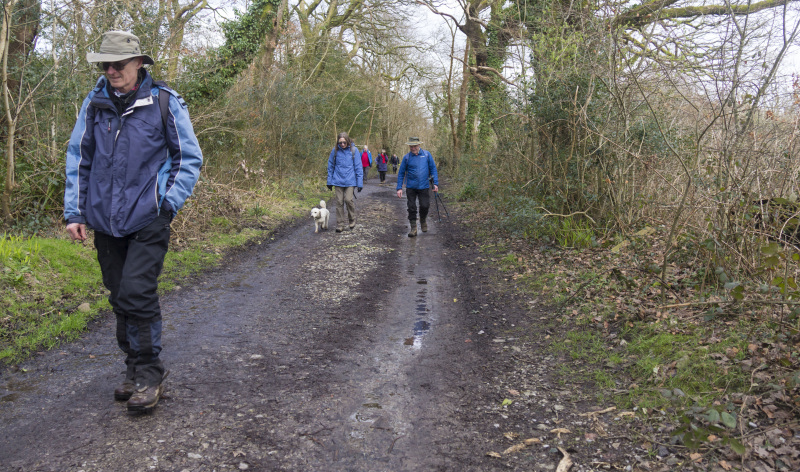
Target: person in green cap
x=418 y=170
x=132 y=161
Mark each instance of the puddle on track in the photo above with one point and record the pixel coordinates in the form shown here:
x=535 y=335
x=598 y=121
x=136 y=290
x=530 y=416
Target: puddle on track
x=422 y=319
x=14 y=390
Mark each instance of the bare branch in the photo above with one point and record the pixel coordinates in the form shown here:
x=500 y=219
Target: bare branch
x=652 y=11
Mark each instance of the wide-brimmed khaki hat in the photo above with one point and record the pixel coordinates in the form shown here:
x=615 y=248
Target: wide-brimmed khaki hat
x=118 y=46
x=414 y=141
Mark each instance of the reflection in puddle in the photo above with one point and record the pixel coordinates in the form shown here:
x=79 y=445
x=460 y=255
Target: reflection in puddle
x=421 y=327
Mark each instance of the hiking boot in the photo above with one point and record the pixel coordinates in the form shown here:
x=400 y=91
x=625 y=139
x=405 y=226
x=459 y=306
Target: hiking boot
x=339 y=230
x=145 y=398
x=352 y=224
x=124 y=391
x=413 y=231
x=424 y=225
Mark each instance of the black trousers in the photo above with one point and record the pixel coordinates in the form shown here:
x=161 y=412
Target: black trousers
x=131 y=266
x=382 y=173
x=424 y=196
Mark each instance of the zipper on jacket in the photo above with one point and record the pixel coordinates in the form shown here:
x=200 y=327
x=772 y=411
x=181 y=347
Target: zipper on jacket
x=109 y=125
x=119 y=130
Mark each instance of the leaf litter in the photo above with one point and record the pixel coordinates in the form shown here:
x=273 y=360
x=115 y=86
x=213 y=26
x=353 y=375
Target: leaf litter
x=614 y=292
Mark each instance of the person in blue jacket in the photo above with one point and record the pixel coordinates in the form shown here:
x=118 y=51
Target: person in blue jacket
x=130 y=166
x=417 y=169
x=346 y=174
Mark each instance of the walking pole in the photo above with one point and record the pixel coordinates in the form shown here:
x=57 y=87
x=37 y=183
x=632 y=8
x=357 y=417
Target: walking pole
x=437 y=207
x=436 y=196
x=430 y=180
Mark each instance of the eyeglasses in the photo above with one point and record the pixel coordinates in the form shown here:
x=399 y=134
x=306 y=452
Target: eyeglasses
x=118 y=66
x=342 y=142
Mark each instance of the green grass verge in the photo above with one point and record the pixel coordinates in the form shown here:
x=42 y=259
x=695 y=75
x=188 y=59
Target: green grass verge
x=48 y=295
x=667 y=358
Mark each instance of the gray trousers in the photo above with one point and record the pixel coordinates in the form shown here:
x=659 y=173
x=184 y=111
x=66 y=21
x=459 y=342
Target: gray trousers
x=344 y=199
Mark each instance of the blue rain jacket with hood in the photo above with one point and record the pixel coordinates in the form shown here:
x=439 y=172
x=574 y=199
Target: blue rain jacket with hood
x=122 y=170
x=344 y=167
x=416 y=170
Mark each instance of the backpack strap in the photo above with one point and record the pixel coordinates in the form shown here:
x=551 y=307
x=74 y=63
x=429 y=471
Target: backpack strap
x=163 y=101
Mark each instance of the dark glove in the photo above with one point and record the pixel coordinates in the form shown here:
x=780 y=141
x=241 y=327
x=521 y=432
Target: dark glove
x=330 y=187
x=359 y=188
x=166 y=209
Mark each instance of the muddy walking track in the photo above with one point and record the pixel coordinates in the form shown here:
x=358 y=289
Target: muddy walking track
x=360 y=351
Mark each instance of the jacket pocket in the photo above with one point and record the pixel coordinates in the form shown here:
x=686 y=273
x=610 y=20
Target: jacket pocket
x=104 y=129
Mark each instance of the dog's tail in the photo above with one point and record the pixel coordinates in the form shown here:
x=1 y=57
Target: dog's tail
x=322 y=204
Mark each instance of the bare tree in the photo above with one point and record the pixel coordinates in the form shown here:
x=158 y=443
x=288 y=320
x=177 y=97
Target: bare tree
x=16 y=41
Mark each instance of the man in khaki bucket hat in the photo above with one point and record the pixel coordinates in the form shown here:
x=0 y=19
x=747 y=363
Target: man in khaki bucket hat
x=121 y=57
x=118 y=46
x=132 y=161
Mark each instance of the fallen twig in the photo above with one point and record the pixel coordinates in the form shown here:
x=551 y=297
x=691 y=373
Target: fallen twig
x=392 y=445
x=566 y=462
x=599 y=412
x=549 y=213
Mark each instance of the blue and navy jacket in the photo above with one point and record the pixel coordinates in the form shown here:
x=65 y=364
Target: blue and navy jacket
x=342 y=168
x=416 y=170
x=382 y=163
x=123 y=170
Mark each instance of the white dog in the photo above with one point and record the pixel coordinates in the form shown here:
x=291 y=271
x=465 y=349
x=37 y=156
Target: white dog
x=320 y=216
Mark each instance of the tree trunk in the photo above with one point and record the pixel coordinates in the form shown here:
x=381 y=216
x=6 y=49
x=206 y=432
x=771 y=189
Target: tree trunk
x=489 y=52
x=273 y=35
x=462 y=99
x=450 y=111
x=177 y=16
x=19 y=30
x=174 y=54
x=22 y=36
x=5 y=39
